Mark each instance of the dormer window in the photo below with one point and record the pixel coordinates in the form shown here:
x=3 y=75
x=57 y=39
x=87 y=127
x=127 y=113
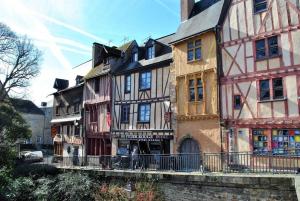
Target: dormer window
x=106 y=61
x=134 y=56
x=150 y=52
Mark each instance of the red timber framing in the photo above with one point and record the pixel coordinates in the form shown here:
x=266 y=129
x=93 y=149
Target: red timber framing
x=97 y=107
x=242 y=71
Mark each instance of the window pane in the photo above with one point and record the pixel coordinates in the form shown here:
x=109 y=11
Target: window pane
x=277 y=88
x=237 y=102
x=273 y=46
x=145 y=81
x=190 y=55
x=144 y=113
x=197 y=43
x=198 y=53
x=260 y=49
x=199 y=89
x=191 y=83
x=127 y=83
x=190 y=45
x=264 y=90
x=192 y=94
x=260 y=5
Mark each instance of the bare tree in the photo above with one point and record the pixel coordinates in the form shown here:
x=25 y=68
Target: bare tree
x=19 y=61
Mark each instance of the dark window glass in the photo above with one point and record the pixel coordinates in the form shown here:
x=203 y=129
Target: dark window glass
x=125 y=109
x=190 y=55
x=150 y=52
x=68 y=130
x=264 y=87
x=127 y=83
x=190 y=45
x=106 y=61
x=144 y=113
x=77 y=131
x=145 y=80
x=76 y=108
x=97 y=87
x=192 y=90
x=68 y=109
x=197 y=43
x=260 y=49
x=260 y=5
x=194 y=50
x=237 y=101
x=198 y=53
x=273 y=46
x=199 y=90
x=277 y=88
x=57 y=111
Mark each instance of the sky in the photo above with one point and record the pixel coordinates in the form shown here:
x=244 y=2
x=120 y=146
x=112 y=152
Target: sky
x=64 y=30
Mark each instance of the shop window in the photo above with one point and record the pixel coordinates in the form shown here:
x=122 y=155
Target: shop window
x=264 y=88
x=125 y=109
x=277 y=88
x=127 y=83
x=286 y=141
x=260 y=6
x=267 y=48
x=237 y=104
x=194 y=50
x=260 y=141
x=192 y=90
x=144 y=113
x=145 y=80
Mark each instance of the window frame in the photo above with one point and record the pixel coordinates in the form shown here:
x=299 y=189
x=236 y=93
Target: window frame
x=76 y=108
x=97 y=85
x=57 y=110
x=235 y=106
x=126 y=91
x=198 y=87
x=152 y=55
x=140 y=80
x=262 y=10
x=260 y=90
x=134 y=56
x=139 y=113
x=272 y=90
x=192 y=88
x=193 y=47
x=267 y=48
x=125 y=119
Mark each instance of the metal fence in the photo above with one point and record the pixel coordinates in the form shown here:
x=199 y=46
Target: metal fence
x=235 y=162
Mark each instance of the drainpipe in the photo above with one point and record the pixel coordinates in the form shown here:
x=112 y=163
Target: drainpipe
x=219 y=72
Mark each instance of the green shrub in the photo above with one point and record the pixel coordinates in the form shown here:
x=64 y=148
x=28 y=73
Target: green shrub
x=21 y=189
x=35 y=170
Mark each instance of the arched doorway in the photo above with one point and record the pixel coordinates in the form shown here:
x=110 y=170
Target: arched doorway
x=190 y=157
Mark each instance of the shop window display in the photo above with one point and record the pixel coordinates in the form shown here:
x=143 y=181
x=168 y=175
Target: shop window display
x=260 y=141
x=286 y=141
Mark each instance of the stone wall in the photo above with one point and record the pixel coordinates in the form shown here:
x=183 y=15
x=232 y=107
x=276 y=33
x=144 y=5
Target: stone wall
x=187 y=187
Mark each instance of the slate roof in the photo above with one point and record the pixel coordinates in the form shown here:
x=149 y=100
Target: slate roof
x=101 y=69
x=205 y=15
x=164 y=57
x=26 y=106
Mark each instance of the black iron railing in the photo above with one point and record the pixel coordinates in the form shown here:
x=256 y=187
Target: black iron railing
x=234 y=162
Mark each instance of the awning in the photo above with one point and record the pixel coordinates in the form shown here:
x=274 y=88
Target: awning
x=61 y=120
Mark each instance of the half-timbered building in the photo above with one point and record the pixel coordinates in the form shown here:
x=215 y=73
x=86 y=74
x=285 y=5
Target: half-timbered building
x=194 y=83
x=97 y=98
x=260 y=82
x=67 y=127
x=141 y=107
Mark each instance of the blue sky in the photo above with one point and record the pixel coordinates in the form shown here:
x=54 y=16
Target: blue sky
x=64 y=31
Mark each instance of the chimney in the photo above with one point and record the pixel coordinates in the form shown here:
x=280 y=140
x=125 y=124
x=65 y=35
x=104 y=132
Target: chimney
x=186 y=8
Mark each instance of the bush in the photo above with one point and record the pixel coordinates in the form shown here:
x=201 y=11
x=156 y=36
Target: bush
x=112 y=193
x=71 y=186
x=21 y=189
x=35 y=170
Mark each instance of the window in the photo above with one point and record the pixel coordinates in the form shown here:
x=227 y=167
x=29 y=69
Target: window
x=38 y=139
x=150 y=52
x=194 y=50
x=93 y=115
x=192 y=90
x=77 y=131
x=144 y=113
x=260 y=6
x=286 y=141
x=97 y=85
x=127 y=83
x=260 y=141
x=264 y=87
x=199 y=90
x=57 y=111
x=277 y=88
x=68 y=109
x=145 y=80
x=76 y=108
x=273 y=46
x=125 y=112
x=106 y=61
x=134 y=57
x=265 y=92
x=237 y=104
x=68 y=130
x=266 y=48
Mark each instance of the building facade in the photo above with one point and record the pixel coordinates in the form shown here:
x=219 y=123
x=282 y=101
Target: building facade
x=97 y=99
x=67 y=121
x=194 y=83
x=260 y=82
x=141 y=99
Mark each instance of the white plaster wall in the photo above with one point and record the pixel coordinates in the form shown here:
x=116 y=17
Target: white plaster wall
x=36 y=123
x=291 y=88
x=243 y=140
